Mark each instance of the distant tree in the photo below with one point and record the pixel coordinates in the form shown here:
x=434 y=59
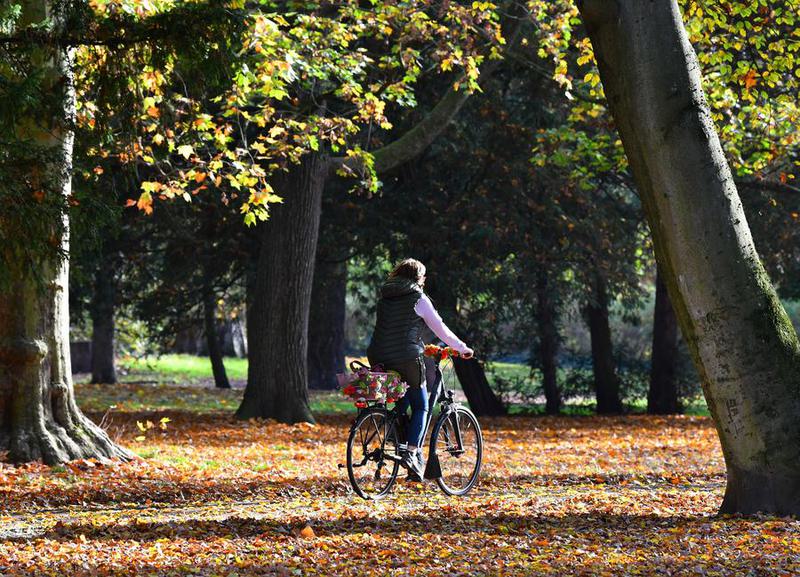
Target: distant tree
x=191 y=257
x=326 y=325
x=662 y=395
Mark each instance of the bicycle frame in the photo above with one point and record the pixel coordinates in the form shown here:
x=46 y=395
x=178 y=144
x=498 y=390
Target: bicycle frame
x=448 y=405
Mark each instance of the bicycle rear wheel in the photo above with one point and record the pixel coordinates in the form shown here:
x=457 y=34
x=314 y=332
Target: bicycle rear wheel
x=372 y=437
x=459 y=447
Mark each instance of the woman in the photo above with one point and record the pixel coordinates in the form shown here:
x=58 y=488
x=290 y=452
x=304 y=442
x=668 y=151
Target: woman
x=397 y=345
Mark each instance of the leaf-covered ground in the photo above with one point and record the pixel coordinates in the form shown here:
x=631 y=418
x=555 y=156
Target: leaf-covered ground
x=214 y=496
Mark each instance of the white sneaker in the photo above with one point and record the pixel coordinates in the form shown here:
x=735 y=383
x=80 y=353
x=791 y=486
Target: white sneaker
x=415 y=465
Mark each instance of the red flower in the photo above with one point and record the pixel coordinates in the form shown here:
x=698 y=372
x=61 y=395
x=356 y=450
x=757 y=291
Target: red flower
x=431 y=350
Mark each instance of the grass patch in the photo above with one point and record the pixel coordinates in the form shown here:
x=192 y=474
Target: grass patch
x=179 y=368
x=170 y=382
x=129 y=397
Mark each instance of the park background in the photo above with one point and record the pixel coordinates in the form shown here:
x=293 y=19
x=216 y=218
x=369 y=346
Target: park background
x=243 y=178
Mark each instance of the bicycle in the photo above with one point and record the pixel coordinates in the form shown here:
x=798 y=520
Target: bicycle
x=377 y=441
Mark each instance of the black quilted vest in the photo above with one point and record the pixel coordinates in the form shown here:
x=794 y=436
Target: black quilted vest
x=398 y=329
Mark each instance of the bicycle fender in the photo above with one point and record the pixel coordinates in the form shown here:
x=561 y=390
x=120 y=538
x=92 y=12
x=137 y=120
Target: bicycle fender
x=433 y=470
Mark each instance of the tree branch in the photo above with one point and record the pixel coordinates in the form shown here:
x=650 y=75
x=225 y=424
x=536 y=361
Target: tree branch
x=414 y=141
x=84 y=28
x=767 y=186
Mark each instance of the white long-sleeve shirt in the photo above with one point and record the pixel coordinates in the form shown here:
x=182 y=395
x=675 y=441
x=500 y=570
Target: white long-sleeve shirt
x=424 y=308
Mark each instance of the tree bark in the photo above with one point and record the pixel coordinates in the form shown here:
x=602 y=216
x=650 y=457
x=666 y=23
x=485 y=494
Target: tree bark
x=103 y=340
x=277 y=376
x=662 y=397
x=212 y=338
x=481 y=398
x=232 y=338
x=326 y=324
x=606 y=381
x=39 y=418
x=741 y=340
x=548 y=345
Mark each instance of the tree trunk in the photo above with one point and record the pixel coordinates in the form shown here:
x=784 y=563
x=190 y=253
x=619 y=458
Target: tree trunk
x=277 y=376
x=470 y=372
x=39 y=418
x=326 y=324
x=662 y=397
x=548 y=345
x=212 y=338
x=480 y=396
x=232 y=338
x=103 y=341
x=606 y=381
x=742 y=342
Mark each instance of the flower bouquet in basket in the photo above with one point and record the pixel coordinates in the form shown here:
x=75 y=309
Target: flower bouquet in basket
x=441 y=353
x=363 y=385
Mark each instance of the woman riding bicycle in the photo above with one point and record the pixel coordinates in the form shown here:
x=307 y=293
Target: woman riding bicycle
x=397 y=345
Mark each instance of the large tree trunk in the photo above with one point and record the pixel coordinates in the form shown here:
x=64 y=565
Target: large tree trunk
x=103 y=367
x=606 y=381
x=326 y=324
x=662 y=397
x=277 y=324
x=39 y=418
x=212 y=338
x=548 y=344
x=742 y=342
x=480 y=396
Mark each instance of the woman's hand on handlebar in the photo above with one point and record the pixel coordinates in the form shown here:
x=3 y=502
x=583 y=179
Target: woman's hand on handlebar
x=467 y=354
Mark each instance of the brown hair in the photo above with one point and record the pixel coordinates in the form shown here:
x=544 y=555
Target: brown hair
x=410 y=269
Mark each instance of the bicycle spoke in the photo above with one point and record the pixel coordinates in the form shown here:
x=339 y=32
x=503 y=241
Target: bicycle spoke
x=366 y=442
x=377 y=429
x=459 y=449
x=374 y=475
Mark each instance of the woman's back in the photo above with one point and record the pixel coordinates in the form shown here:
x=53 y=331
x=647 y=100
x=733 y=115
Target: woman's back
x=398 y=328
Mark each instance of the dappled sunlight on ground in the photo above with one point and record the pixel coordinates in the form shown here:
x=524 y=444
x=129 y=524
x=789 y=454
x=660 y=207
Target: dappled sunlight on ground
x=215 y=496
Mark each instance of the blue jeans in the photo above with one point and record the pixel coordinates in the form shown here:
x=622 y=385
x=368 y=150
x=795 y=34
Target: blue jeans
x=417 y=397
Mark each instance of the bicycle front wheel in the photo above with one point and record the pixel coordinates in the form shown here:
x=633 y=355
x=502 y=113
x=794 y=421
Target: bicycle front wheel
x=371 y=439
x=458 y=441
